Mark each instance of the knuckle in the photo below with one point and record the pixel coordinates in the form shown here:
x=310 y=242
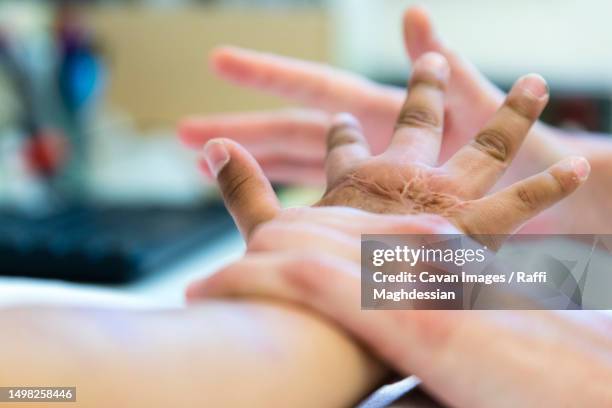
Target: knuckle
x=427 y=79
x=565 y=183
x=234 y=185
x=494 y=142
x=419 y=117
x=306 y=273
x=344 y=134
x=528 y=198
x=524 y=106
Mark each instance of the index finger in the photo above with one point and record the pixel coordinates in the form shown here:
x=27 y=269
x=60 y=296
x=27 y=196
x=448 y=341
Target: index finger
x=306 y=82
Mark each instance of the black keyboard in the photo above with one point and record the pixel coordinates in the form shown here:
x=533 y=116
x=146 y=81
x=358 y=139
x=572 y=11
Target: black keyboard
x=105 y=244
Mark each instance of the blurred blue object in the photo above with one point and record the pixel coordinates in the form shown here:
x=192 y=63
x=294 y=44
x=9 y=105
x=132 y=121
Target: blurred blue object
x=80 y=79
x=80 y=69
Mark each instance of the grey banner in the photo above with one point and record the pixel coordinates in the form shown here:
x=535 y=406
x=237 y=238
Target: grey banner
x=553 y=272
x=37 y=394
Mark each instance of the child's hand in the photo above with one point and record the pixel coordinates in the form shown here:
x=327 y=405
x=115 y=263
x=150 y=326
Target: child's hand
x=405 y=179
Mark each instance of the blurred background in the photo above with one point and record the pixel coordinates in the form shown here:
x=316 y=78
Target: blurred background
x=94 y=185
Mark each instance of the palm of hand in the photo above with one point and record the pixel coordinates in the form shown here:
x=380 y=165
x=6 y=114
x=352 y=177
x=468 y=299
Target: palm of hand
x=381 y=185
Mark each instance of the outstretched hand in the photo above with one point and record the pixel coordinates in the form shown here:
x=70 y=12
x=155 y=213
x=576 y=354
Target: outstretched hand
x=405 y=179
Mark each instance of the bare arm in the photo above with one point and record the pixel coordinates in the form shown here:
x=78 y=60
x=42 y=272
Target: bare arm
x=228 y=353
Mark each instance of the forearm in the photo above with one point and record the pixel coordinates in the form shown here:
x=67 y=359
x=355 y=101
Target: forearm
x=215 y=354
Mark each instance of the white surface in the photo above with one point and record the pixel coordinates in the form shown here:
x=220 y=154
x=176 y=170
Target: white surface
x=128 y=166
x=163 y=289
x=565 y=40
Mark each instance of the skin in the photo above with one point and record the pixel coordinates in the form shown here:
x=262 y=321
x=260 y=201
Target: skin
x=230 y=353
x=290 y=145
x=405 y=179
x=63 y=344
x=311 y=255
x=215 y=343
x=463 y=358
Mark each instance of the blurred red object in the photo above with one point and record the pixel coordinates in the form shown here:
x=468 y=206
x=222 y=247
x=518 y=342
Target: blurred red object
x=46 y=152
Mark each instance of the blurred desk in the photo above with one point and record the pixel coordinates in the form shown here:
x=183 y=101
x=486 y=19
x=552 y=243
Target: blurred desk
x=162 y=289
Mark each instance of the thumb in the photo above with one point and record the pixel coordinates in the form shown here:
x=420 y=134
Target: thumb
x=246 y=191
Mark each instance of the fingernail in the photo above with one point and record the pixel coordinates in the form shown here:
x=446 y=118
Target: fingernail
x=581 y=167
x=434 y=62
x=216 y=156
x=344 y=119
x=535 y=85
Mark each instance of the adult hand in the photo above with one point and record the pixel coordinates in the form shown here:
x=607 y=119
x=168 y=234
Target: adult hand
x=312 y=256
x=405 y=179
x=464 y=358
x=290 y=144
